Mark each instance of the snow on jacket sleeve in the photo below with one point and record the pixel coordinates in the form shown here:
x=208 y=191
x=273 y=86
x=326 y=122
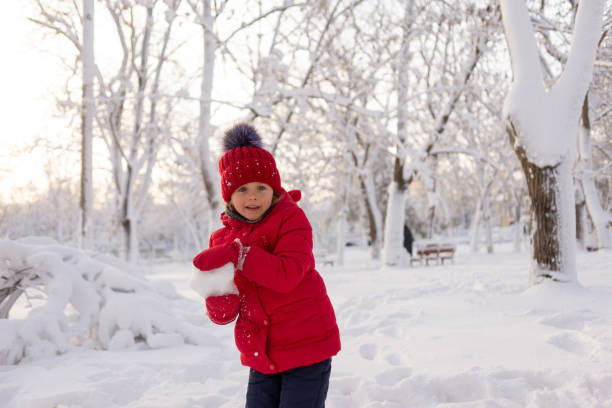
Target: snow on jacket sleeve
x=283 y=270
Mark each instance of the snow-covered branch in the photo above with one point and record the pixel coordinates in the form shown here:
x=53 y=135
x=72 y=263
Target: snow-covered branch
x=476 y=154
x=603 y=64
x=545 y=121
x=89 y=300
x=574 y=81
x=521 y=44
x=264 y=15
x=57 y=22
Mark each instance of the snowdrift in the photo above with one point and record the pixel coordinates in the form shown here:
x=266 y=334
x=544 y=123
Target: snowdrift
x=81 y=300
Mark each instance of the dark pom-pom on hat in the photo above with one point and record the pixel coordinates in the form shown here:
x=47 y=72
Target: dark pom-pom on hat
x=241 y=135
x=245 y=160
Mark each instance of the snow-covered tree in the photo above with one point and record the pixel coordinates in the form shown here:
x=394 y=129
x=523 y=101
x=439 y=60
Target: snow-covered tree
x=61 y=20
x=208 y=171
x=357 y=99
x=543 y=125
x=310 y=106
x=215 y=41
x=587 y=196
x=128 y=118
x=353 y=105
x=446 y=55
x=128 y=99
x=87 y=120
x=602 y=220
x=394 y=220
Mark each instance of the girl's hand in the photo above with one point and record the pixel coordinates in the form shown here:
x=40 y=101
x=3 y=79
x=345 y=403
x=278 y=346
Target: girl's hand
x=216 y=257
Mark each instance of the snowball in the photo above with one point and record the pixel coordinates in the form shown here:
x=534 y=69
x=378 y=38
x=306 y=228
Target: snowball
x=215 y=282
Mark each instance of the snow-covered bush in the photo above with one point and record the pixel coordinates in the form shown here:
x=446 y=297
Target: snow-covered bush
x=81 y=300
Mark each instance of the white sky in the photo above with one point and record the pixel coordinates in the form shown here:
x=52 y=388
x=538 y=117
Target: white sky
x=31 y=76
x=27 y=82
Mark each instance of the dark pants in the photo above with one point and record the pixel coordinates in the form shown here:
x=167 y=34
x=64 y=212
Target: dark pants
x=300 y=387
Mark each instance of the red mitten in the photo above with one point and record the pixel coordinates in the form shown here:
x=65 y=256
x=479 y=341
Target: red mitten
x=216 y=257
x=222 y=309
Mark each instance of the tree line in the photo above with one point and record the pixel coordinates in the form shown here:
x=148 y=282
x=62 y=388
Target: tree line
x=378 y=111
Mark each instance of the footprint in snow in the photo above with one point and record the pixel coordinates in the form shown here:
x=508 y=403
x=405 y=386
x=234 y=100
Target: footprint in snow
x=393 y=376
x=574 y=342
x=571 y=321
x=345 y=385
x=395 y=359
x=390 y=331
x=368 y=351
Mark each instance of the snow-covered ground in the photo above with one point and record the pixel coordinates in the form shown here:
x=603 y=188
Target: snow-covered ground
x=469 y=334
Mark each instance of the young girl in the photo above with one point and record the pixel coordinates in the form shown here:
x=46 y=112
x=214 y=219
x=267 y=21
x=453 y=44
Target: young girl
x=286 y=330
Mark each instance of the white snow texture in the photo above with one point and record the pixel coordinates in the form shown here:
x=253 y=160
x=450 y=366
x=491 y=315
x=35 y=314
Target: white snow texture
x=469 y=334
x=215 y=282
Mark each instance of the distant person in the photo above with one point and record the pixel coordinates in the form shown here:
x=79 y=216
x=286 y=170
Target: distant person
x=408 y=239
x=286 y=330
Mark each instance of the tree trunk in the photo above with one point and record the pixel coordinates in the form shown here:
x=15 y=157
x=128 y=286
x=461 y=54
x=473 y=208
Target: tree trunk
x=580 y=218
x=207 y=170
x=431 y=216
x=601 y=220
x=130 y=240
x=547 y=186
x=394 y=226
x=344 y=211
x=430 y=188
x=87 y=116
x=125 y=250
x=542 y=190
x=340 y=236
x=484 y=212
x=394 y=220
x=486 y=216
x=475 y=240
x=374 y=216
x=518 y=228
x=549 y=126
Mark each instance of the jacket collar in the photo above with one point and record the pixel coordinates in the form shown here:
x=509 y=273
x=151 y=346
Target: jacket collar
x=233 y=220
x=235 y=215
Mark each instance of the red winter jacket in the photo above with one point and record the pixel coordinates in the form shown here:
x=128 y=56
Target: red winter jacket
x=285 y=318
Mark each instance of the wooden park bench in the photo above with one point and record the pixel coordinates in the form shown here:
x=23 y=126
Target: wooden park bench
x=431 y=251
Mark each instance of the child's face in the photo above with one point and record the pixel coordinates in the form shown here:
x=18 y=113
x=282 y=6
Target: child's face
x=252 y=200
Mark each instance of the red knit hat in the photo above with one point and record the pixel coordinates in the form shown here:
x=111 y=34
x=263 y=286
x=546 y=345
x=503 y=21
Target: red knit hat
x=245 y=161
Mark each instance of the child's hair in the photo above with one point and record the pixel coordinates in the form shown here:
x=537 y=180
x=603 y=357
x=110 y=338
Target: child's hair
x=245 y=161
